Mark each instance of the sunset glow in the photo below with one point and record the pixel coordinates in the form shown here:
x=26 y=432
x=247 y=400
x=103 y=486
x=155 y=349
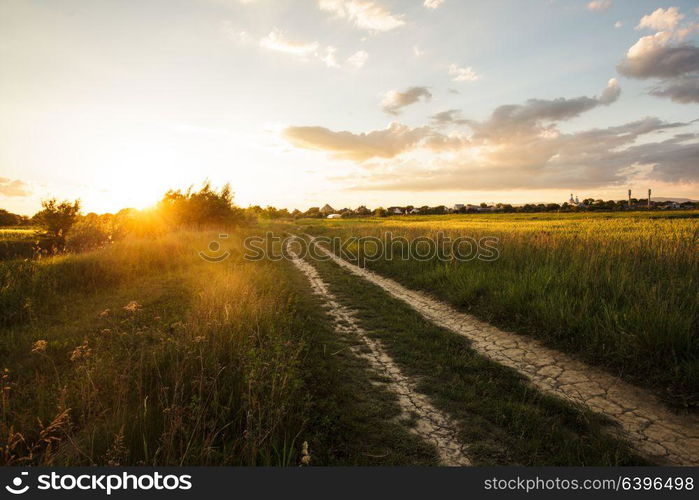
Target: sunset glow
x=299 y=103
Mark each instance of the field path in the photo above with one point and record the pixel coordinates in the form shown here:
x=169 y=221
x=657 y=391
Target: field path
x=652 y=429
x=430 y=424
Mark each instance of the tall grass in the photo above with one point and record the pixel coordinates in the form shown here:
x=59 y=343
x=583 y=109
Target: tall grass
x=618 y=291
x=142 y=353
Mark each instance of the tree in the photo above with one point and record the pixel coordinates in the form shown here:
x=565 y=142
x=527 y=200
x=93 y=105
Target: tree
x=313 y=212
x=380 y=212
x=202 y=208
x=57 y=218
x=9 y=219
x=362 y=211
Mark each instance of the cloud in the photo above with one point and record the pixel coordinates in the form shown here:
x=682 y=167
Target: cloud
x=463 y=74
x=433 y=4
x=673 y=160
x=587 y=159
x=448 y=117
x=665 y=55
x=535 y=114
x=661 y=20
x=684 y=89
x=394 y=100
x=387 y=143
x=329 y=57
x=417 y=52
x=276 y=40
x=518 y=146
x=14 y=188
x=363 y=14
x=599 y=5
x=618 y=24
x=650 y=57
x=358 y=59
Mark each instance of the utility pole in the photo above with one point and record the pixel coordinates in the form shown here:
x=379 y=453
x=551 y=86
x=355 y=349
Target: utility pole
x=649 y=199
x=629 y=199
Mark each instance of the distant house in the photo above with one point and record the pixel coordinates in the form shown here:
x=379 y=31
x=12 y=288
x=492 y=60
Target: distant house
x=334 y=216
x=395 y=210
x=458 y=207
x=327 y=210
x=415 y=211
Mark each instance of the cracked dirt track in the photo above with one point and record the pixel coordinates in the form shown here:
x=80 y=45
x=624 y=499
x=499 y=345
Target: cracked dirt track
x=652 y=429
x=430 y=424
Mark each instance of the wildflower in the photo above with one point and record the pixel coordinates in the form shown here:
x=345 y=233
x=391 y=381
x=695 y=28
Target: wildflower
x=39 y=346
x=305 y=454
x=104 y=313
x=81 y=352
x=132 y=306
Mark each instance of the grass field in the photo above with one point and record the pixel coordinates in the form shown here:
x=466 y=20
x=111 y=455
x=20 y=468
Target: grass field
x=17 y=242
x=142 y=353
x=619 y=290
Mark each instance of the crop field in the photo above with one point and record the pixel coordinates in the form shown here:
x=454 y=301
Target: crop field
x=143 y=352
x=616 y=290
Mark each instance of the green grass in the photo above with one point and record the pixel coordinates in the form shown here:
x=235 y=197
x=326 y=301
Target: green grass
x=18 y=243
x=220 y=364
x=618 y=290
x=504 y=420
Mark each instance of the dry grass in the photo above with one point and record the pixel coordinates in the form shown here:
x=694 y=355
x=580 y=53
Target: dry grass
x=142 y=353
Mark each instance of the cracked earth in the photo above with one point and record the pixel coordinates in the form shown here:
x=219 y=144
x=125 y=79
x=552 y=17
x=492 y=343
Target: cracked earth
x=431 y=425
x=652 y=429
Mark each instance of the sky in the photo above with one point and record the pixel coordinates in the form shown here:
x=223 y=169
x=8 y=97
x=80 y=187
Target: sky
x=299 y=103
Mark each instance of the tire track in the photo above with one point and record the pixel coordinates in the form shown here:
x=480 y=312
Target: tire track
x=430 y=424
x=650 y=427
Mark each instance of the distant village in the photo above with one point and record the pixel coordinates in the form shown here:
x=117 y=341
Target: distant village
x=573 y=204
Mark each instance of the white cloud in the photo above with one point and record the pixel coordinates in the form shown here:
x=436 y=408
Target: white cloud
x=276 y=40
x=433 y=4
x=417 y=52
x=666 y=55
x=358 y=59
x=463 y=74
x=661 y=20
x=279 y=42
x=599 y=5
x=364 y=14
x=329 y=57
x=618 y=24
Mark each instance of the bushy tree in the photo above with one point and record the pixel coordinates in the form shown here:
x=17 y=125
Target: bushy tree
x=57 y=217
x=10 y=219
x=201 y=208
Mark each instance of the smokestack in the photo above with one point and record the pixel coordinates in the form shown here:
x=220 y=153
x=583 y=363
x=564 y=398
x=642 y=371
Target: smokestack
x=629 y=198
x=649 y=198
